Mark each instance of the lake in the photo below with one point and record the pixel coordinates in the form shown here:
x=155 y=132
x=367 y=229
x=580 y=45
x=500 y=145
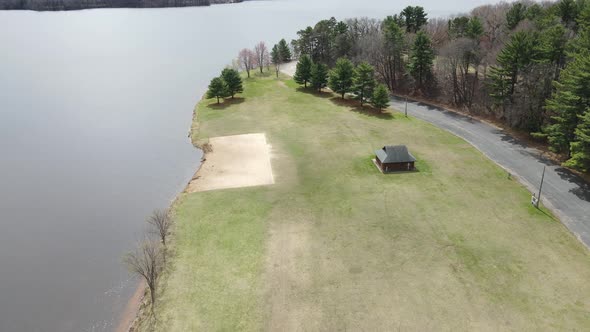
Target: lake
x=95 y=108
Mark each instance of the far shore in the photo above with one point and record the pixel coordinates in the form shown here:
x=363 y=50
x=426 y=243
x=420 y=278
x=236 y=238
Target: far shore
x=48 y=5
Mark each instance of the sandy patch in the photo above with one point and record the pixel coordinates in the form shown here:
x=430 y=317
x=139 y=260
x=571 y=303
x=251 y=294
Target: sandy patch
x=234 y=162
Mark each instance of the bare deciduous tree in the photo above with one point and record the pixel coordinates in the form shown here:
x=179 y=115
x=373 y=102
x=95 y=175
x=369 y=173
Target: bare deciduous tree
x=459 y=64
x=493 y=18
x=261 y=52
x=374 y=50
x=267 y=60
x=438 y=31
x=160 y=222
x=359 y=29
x=247 y=60
x=147 y=262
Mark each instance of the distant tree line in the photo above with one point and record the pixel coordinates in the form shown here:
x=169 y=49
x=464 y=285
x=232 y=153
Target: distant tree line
x=52 y=5
x=526 y=63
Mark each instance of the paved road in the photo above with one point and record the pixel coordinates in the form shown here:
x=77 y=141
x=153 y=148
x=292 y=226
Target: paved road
x=565 y=193
x=289 y=68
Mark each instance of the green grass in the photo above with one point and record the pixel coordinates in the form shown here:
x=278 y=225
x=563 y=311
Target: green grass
x=336 y=245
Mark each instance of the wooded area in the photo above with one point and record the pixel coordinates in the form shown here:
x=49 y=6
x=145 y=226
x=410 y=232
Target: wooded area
x=55 y=5
x=526 y=63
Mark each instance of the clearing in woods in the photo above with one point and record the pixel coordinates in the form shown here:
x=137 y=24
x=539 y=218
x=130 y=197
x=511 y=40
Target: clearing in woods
x=334 y=244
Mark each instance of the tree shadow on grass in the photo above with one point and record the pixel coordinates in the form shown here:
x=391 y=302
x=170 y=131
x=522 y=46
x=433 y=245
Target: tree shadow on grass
x=312 y=91
x=226 y=103
x=365 y=109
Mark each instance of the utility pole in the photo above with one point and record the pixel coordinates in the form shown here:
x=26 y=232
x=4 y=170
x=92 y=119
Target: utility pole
x=540 y=187
x=406 y=112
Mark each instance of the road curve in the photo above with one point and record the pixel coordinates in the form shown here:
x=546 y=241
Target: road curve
x=565 y=193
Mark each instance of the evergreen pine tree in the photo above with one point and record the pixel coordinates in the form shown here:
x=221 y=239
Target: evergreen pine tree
x=217 y=89
x=233 y=81
x=581 y=146
x=303 y=70
x=380 y=98
x=319 y=76
x=516 y=14
x=569 y=102
x=364 y=82
x=284 y=50
x=393 y=52
x=343 y=41
x=342 y=77
x=568 y=11
x=413 y=18
x=458 y=27
x=499 y=84
x=420 y=18
x=551 y=45
x=474 y=28
x=534 y=12
x=584 y=17
x=421 y=59
x=520 y=51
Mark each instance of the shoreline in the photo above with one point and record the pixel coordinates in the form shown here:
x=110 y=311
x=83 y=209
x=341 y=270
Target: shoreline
x=259 y=280
x=132 y=313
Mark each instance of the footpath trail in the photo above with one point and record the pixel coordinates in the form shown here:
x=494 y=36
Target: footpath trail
x=565 y=193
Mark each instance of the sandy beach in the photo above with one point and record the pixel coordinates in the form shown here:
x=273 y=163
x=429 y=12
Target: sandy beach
x=234 y=162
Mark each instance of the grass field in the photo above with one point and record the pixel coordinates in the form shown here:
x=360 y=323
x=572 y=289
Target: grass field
x=336 y=245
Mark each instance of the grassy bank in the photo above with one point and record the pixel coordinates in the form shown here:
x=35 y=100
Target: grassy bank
x=336 y=245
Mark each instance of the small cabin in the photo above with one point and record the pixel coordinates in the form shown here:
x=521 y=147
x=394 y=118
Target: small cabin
x=394 y=158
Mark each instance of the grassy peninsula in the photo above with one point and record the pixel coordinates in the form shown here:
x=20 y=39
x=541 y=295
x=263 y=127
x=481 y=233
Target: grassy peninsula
x=336 y=245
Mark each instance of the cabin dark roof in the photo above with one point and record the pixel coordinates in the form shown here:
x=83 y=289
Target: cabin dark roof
x=394 y=154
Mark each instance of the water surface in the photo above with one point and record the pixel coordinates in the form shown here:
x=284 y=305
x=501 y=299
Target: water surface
x=95 y=107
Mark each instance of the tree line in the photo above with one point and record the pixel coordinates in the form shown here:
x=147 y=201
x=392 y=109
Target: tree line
x=526 y=63
x=344 y=78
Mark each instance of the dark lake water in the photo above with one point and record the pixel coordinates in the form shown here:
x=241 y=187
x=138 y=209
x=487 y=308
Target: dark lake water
x=95 y=107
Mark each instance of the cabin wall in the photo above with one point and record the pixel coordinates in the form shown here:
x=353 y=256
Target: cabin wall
x=397 y=167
